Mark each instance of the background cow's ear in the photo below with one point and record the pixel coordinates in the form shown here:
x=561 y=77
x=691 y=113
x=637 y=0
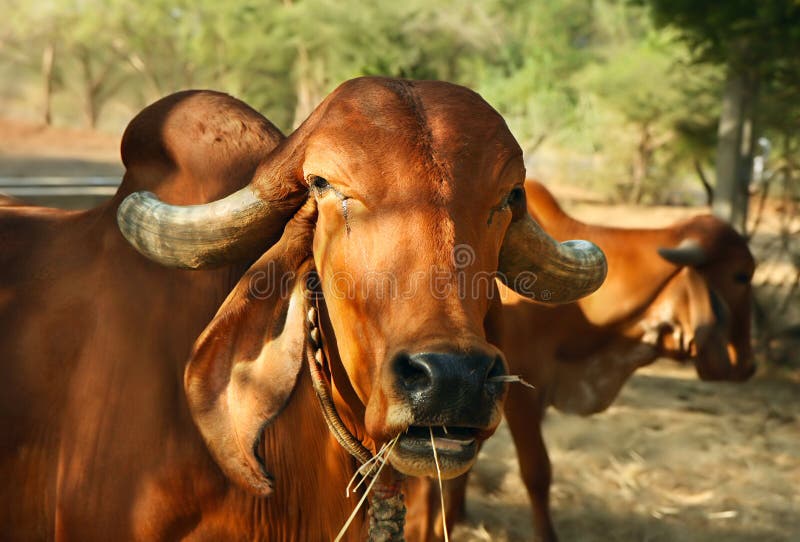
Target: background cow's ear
x=688 y=253
x=245 y=364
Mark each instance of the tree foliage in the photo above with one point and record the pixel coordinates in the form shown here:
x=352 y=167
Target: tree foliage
x=596 y=83
x=740 y=33
x=758 y=44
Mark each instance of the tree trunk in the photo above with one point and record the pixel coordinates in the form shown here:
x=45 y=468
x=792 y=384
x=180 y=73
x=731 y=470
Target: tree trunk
x=736 y=134
x=48 y=62
x=305 y=102
x=641 y=163
x=89 y=90
x=143 y=68
x=698 y=167
x=90 y=112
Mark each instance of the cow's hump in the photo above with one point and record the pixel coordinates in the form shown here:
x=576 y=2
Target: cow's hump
x=194 y=146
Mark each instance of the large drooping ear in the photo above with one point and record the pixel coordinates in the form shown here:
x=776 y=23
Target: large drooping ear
x=245 y=364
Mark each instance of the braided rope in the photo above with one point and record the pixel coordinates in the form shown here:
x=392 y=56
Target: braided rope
x=387 y=511
x=316 y=358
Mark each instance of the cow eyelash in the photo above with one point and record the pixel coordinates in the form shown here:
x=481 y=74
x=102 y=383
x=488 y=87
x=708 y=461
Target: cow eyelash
x=320 y=184
x=516 y=195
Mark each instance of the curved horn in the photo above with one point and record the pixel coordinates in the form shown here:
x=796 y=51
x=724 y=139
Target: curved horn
x=536 y=266
x=202 y=236
x=688 y=252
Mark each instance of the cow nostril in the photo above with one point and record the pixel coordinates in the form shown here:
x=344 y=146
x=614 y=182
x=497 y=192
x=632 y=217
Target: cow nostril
x=497 y=369
x=414 y=375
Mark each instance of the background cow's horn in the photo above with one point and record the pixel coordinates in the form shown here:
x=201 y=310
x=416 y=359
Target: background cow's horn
x=536 y=266
x=233 y=228
x=688 y=252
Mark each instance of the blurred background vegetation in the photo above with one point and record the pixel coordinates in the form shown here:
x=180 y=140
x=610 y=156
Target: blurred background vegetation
x=619 y=96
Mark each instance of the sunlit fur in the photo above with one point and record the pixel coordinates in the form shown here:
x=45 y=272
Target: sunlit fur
x=415 y=189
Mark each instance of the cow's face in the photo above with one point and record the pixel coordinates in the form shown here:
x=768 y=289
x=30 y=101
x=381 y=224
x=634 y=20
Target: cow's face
x=414 y=201
x=406 y=198
x=708 y=304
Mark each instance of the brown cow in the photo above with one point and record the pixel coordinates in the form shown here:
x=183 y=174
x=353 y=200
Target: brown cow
x=108 y=433
x=681 y=292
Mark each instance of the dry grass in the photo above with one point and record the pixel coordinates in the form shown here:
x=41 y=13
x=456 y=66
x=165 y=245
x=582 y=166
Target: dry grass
x=382 y=457
x=674 y=459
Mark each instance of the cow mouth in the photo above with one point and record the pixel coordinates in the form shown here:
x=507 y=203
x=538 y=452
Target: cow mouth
x=456 y=450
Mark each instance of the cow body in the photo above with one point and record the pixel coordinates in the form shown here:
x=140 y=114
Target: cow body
x=97 y=441
x=145 y=402
x=579 y=355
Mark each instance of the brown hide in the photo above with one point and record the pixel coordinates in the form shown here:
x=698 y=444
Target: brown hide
x=579 y=355
x=96 y=438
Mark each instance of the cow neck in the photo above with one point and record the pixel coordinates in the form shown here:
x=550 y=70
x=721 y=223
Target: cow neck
x=386 y=507
x=619 y=301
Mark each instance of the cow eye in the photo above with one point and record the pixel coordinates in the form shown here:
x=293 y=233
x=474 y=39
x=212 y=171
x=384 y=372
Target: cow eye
x=515 y=196
x=318 y=183
x=742 y=278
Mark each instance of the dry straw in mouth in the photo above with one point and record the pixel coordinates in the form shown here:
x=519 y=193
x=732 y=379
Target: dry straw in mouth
x=385 y=451
x=367 y=468
x=441 y=491
x=511 y=379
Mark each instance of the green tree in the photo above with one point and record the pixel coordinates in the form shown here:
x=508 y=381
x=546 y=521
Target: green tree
x=756 y=42
x=30 y=46
x=527 y=76
x=332 y=41
x=69 y=42
x=660 y=100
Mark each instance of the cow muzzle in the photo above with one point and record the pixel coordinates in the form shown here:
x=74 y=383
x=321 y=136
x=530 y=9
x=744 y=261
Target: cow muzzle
x=453 y=403
x=721 y=361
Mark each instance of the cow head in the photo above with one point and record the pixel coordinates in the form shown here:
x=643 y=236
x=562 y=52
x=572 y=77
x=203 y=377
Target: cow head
x=406 y=199
x=707 y=304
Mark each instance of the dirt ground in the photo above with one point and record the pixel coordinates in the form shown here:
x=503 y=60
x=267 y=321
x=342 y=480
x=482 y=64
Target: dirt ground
x=31 y=150
x=674 y=459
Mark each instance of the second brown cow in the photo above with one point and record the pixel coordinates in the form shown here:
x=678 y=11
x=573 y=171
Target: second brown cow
x=681 y=292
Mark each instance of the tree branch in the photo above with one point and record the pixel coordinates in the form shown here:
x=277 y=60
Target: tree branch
x=698 y=167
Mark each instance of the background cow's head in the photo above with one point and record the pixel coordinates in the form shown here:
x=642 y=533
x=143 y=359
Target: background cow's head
x=706 y=307
x=406 y=198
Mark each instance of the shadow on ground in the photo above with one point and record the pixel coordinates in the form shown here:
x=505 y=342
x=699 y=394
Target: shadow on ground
x=674 y=460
